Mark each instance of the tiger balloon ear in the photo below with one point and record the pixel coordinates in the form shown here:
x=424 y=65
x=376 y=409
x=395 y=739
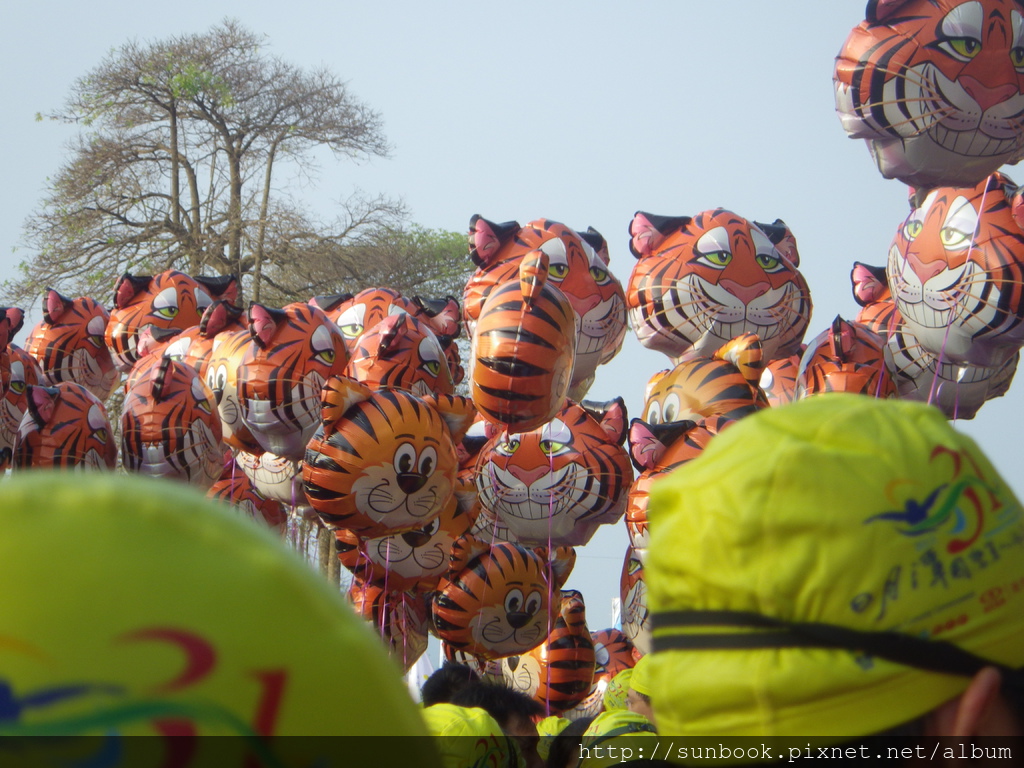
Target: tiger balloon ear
x=870 y=284
x=648 y=442
x=465 y=549
x=41 y=403
x=217 y=317
x=458 y=412
x=782 y=238
x=444 y=316
x=596 y=240
x=15 y=321
x=224 y=287
x=338 y=395
x=648 y=231
x=611 y=415
x=878 y=11
x=746 y=354
x=263 y=323
x=128 y=287
x=54 y=306
x=486 y=239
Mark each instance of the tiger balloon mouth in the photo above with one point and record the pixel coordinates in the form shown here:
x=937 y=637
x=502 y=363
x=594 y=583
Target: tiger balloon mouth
x=379 y=496
x=599 y=325
x=392 y=550
x=550 y=495
x=945 y=298
x=498 y=632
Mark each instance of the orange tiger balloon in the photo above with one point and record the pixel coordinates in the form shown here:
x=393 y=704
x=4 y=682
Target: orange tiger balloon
x=398 y=618
x=523 y=349
x=226 y=355
x=68 y=344
x=169 y=426
x=846 y=358
x=495 y=599
x=64 y=426
x=699 y=282
x=23 y=372
x=417 y=559
x=613 y=653
x=700 y=387
x=556 y=484
x=577 y=264
x=935 y=88
x=170 y=299
x=293 y=352
x=636 y=616
x=402 y=352
x=558 y=673
x=383 y=462
x=956 y=269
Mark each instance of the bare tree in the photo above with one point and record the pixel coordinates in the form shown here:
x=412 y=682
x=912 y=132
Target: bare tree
x=178 y=162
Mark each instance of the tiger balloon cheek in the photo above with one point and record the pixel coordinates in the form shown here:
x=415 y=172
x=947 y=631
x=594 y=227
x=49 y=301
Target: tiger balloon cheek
x=496 y=605
x=383 y=462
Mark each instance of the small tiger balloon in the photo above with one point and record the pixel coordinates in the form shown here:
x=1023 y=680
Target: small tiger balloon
x=846 y=358
x=68 y=343
x=64 y=427
x=558 y=673
x=169 y=426
x=402 y=352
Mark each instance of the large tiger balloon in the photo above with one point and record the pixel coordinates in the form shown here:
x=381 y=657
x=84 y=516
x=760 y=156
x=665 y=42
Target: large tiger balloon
x=170 y=427
x=560 y=671
x=523 y=349
x=699 y=282
x=495 y=600
x=226 y=354
x=294 y=351
x=556 y=484
x=170 y=299
x=935 y=88
x=383 y=461
x=23 y=372
x=577 y=264
x=68 y=344
x=956 y=270
x=64 y=426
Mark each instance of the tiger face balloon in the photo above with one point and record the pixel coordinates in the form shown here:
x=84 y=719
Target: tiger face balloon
x=383 y=461
x=556 y=484
x=699 y=282
x=68 y=343
x=577 y=265
x=846 y=358
x=935 y=88
x=170 y=427
x=170 y=299
x=293 y=352
x=558 y=673
x=402 y=352
x=955 y=270
x=495 y=600
x=64 y=427
x=226 y=354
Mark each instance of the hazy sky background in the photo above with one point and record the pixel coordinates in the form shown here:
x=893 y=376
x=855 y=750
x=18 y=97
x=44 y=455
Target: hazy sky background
x=583 y=112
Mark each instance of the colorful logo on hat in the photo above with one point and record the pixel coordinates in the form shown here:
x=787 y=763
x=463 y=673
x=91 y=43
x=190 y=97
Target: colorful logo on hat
x=963 y=501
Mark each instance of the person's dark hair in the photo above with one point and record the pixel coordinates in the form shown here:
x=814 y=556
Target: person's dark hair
x=446 y=682
x=498 y=700
x=642 y=696
x=566 y=745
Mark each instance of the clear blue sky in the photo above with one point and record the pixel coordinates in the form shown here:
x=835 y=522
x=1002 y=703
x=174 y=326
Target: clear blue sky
x=583 y=112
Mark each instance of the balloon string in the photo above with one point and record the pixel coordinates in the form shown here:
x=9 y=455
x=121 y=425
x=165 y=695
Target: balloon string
x=551 y=587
